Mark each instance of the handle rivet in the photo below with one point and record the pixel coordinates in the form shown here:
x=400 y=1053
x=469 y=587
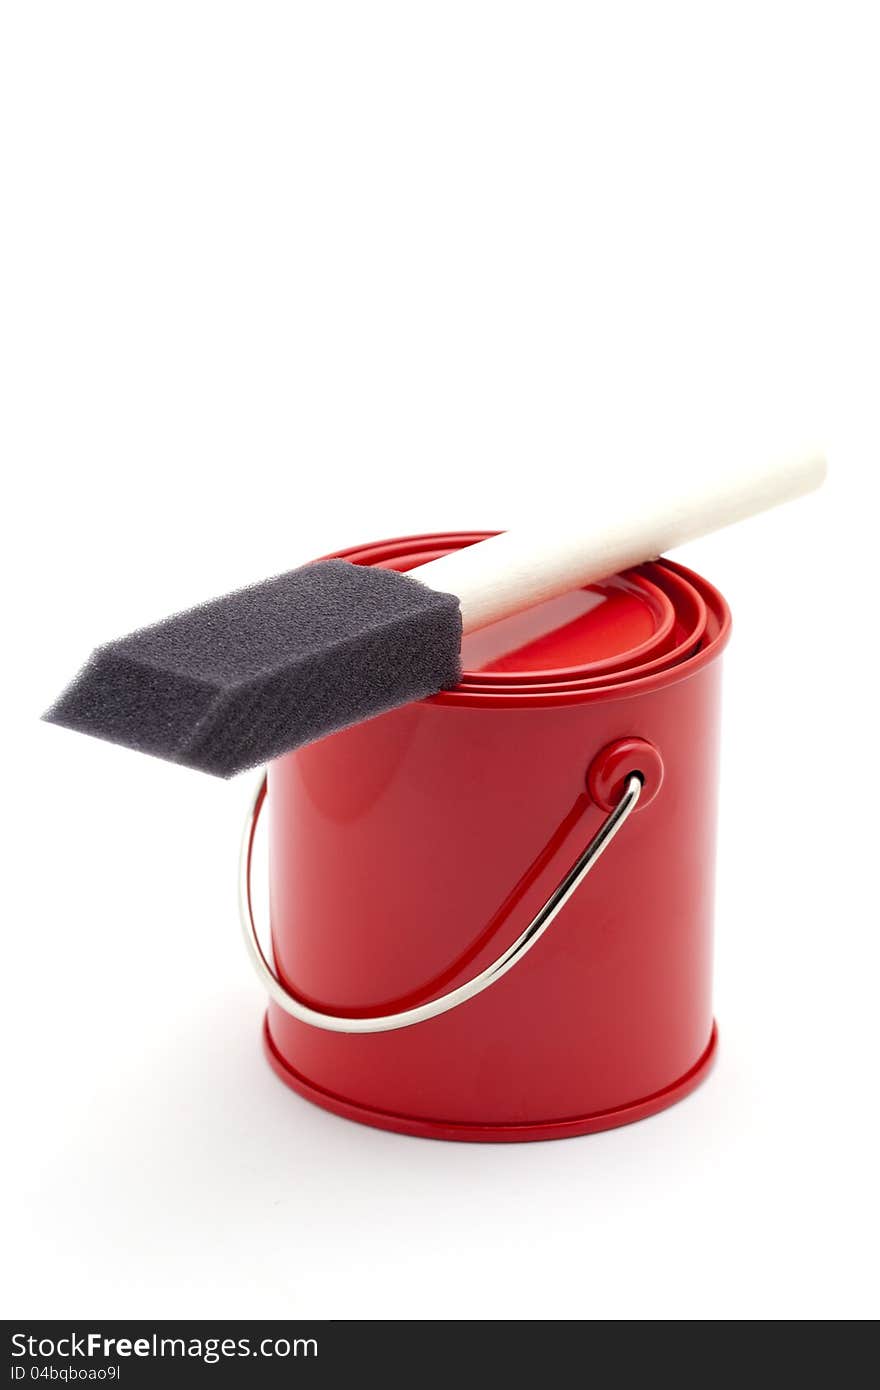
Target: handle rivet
x=617 y=761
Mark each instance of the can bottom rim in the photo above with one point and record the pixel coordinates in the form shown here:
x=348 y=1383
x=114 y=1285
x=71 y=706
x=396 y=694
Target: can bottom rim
x=492 y=1133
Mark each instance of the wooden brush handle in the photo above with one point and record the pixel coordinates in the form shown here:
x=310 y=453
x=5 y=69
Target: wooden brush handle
x=518 y=569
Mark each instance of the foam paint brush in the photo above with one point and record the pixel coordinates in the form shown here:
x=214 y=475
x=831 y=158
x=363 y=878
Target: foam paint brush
x=244 y=678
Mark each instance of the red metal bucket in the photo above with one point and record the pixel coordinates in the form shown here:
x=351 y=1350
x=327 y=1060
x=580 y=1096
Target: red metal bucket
x=411 y=852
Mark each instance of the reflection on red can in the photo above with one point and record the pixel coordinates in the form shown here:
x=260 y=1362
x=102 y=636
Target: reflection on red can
x=406 y=853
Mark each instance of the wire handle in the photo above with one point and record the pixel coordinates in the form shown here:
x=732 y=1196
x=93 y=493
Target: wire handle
x=385 y=1023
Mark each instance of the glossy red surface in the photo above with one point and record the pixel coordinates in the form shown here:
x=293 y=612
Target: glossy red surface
x=598 y=629
x=407 y=852
x=492 y=1134
x=690 y=617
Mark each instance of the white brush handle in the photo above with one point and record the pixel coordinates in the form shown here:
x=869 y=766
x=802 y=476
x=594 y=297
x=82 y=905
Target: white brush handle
x=518 y=569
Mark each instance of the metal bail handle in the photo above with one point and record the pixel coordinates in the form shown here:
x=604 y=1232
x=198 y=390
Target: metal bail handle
x=385 y=1023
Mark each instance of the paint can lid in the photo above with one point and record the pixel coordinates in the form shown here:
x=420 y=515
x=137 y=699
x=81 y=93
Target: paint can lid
x=599 y=637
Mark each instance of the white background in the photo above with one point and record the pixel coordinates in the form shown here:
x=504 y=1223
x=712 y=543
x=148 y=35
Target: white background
x=281 y=278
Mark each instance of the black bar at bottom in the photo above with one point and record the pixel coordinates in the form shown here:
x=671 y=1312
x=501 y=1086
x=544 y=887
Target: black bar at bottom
x=136 y=1353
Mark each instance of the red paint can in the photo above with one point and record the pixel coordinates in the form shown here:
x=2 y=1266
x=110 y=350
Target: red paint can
x=407 y=853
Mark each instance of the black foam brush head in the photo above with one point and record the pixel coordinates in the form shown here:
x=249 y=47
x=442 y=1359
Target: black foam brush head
x=244 y=678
